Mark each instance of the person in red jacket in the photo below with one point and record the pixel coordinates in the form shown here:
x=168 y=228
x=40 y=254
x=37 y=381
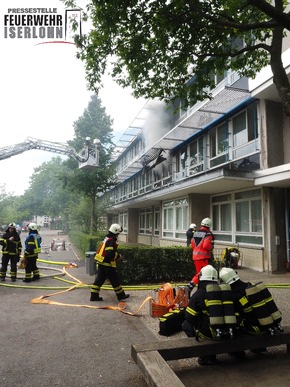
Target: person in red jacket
x=202 y=244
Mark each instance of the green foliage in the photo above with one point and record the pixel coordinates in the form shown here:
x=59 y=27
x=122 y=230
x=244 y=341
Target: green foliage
x=85 y=242
x=157 y=46
x=12 y=209
x=60 y=189
x=46 y=194
x=96 y=124
x=155 y=264
x=143 y=264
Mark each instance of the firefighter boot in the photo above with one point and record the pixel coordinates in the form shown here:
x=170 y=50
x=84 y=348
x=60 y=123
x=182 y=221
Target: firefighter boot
x=207 y=360
x=3 y=276
x=96 y=297
x=123 y=296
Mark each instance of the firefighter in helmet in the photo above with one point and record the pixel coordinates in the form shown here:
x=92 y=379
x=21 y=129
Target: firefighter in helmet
x=202 y=244
x=11 y=250
x=107 y=257
x=197 y=323
x=189 y=233
x=32 y=249
x=247 y=318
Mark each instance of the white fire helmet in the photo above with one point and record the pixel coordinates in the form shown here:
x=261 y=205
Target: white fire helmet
x=206 y=222
x=208 y=273
x=12 y=224
x=115 y=228
x=228 y=275
x=32 y=226
x=193 y=225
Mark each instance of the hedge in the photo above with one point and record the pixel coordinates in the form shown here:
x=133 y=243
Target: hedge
x=144 y=264
x=155 y=264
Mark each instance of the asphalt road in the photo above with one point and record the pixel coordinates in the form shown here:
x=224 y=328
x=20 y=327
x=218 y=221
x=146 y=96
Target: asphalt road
x=75 y=345
x=52 y=345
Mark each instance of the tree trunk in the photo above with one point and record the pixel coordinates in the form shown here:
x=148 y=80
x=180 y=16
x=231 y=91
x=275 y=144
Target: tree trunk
x=93 y=214
x=280 y=78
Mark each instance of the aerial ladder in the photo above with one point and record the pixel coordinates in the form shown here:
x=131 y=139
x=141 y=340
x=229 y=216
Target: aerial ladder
x=87 y=158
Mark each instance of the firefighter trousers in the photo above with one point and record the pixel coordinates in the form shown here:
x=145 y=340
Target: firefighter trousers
x=199 y=264
x=31 y=268
x=110 y=273
x=13 y=265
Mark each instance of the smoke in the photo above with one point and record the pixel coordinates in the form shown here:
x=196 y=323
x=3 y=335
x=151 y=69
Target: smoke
x=157 y=124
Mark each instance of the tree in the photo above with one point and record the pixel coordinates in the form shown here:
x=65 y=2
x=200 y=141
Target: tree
x=96 y=124
x=46 y=194
x=157 y=46
x=12 y=210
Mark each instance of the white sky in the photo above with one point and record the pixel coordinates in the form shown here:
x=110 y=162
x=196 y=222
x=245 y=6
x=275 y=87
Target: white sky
x=43 y=91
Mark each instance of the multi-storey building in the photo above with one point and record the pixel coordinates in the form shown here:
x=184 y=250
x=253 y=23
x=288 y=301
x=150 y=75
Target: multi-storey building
x=227 y=158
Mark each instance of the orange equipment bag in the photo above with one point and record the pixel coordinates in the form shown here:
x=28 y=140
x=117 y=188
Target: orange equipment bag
x=181 y=298
x=165 y=301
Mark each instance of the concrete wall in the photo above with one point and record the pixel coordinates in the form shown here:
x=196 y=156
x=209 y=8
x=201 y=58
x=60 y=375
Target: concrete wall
x=286 y=139
x=172 y=242
x=122 y=238
x=253 y=258
x=199 y=208
x=133 y=225
x=250 y=258
x=144 y=239
x=274 y=143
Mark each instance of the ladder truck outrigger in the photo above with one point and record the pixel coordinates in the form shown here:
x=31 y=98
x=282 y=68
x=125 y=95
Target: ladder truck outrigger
x=87 y=158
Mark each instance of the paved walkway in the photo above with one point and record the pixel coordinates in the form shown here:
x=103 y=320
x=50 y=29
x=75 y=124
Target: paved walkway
x=77 y=346
x=49 y=345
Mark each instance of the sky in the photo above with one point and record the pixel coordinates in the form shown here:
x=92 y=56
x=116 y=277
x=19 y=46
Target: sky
x=43 y=91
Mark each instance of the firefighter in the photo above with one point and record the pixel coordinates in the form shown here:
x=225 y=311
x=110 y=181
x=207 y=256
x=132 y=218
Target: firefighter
x=246 y=315
x=32 y=249
x=202 y=244
x=189 y=234
x=107 y=257
x=197 y=320
x=11 y=251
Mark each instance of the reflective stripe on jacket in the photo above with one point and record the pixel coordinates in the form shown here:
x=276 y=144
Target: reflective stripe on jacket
x=202 y=244
x=32 y=245
x=107 y=252
x=11 y=247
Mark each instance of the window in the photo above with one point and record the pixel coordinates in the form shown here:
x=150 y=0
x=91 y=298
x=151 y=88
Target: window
x=180 y=160
x=196 y=156
x=115 y=219
x=217 y=78
x=124 y=220
x=249 y=217
x=133 y=187
x=245 y=133
x=145 y=221
x=240 y=135
x=175 y=218
x=157 y=221
x=145 y=182
x=168 y=212
x=219 y=145
x=234 y=139
x=237 y=217
x=222 y=217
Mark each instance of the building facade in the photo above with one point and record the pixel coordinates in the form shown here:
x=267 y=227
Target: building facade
x=227 y=158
